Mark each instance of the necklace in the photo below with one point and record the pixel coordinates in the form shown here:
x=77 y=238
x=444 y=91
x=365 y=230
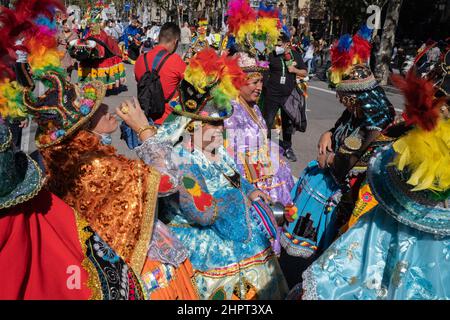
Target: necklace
x=251 y=112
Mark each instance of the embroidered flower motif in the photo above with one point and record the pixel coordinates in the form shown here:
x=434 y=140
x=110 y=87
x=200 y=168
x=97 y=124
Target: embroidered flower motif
x=104 y=251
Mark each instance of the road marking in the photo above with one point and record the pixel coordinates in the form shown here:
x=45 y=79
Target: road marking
x=334 y=93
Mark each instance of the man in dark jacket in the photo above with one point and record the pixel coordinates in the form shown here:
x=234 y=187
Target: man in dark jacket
x=285 y=66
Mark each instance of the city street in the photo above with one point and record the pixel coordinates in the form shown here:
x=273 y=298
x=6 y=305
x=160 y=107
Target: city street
x=323 y=110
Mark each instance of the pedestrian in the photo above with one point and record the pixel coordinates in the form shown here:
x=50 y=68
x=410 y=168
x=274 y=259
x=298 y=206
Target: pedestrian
x=172 y=71
x=186 y=38
x=282 y=80
x=309 y=57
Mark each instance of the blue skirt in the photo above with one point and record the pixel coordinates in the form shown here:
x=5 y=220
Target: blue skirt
x=316 y=196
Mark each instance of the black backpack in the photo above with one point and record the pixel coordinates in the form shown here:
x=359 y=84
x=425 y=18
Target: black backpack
x=150 y=92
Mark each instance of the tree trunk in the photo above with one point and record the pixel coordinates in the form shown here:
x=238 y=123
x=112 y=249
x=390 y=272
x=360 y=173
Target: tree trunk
x=387 y=41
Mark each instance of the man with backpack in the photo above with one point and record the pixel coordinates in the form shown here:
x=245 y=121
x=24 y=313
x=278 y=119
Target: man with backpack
x=160 y=68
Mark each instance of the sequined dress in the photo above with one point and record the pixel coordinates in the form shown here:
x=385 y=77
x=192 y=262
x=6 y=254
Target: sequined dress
x=258 y=161
x=231 y=257
x=118 y=196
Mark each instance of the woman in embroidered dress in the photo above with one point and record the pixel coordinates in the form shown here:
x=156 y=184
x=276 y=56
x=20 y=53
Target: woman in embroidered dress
x=98 y=54
x=210 y=207
x=400 y=250
x=326 y=192
x=257 y=158
x=48 y=250
x=117 y=196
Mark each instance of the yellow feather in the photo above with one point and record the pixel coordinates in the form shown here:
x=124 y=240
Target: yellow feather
x=427 y=155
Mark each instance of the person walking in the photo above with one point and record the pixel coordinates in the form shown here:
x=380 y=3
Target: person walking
x=281 y=82
x=186 y=38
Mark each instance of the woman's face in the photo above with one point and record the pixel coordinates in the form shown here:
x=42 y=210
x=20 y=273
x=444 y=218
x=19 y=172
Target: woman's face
x=103 y=122
x=252 y=91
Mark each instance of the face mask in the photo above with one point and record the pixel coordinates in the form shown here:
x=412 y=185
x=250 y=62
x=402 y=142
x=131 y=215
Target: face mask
x=279 y=50
x=106 y=139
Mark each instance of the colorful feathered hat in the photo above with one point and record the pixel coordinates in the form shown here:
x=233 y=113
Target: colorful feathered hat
x=29 y=30
x=210 y=84
x=64 y=107
x=411 y=179
x=256 y=33
x=349 y=58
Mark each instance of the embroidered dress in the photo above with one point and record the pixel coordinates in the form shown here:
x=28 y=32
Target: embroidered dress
x=118 y=196
x=107 y=67
x=231 y=257
x=259 y=161
x=399 y=250
x=50 y=253
x=326 y=197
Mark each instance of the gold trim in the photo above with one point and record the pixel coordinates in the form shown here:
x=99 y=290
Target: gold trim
x=101 y=92
x=93 y=281
x=258 y=259
x=139 y=255
x=26 y=197
x=5 y=146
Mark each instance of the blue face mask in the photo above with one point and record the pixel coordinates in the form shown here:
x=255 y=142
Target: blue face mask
x=106 y=139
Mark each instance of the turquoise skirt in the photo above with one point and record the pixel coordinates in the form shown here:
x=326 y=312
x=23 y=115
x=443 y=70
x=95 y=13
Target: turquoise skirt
x=316 y=196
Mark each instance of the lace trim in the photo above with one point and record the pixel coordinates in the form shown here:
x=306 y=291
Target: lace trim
x=309 y=285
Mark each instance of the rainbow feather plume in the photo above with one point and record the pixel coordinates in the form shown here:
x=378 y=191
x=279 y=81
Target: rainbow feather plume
x=426 y=154
x=349 y=51
x=424 y=150
x=206 y=69
x=248 y=26
x=31 y=22
x=241 y=19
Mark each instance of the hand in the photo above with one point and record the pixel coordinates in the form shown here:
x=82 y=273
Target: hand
x=133 y=116
x=259 y=194
x=292 y=69
x=322 y=158
x=325 y=144
x=24 y=123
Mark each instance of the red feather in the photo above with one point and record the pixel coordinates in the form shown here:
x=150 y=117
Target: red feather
x=239 y=12
x=341 y=60
x=31 y=9
x=421 y=107
x=208 y=60
x=362 y=47
x=232 y=69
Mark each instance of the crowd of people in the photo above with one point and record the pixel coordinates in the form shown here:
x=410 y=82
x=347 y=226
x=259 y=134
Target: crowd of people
x=210 y=202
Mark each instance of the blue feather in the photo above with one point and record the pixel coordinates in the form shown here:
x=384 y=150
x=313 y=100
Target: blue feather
x=42 y=20
x=345 y=43
x=365 y=32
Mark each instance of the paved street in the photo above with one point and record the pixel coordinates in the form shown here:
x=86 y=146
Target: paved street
x=324 y=110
